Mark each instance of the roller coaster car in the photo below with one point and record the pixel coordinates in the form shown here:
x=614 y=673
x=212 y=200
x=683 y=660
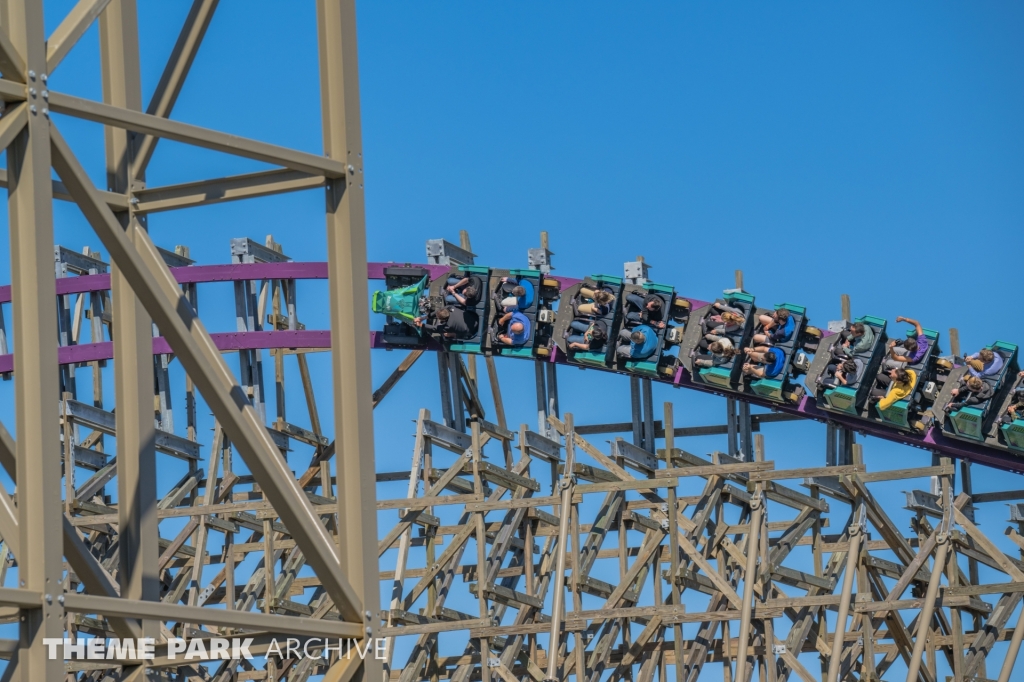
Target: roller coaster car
x=537 y=305
x=727 y=375
x=402 y=302
x=477 y=343
x=852 y=399
x=980 y=423
x=1012 y=433
x=673 y=310
x=568 y=311
x=782 y=387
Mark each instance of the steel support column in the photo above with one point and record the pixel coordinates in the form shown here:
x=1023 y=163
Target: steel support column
x=542 y=398
x=40 y=517
x=732 y=424
x=746 y=428
x=445 y=383
x=552 y=370
x=648 y=396
x=458 y=394
x=138 y=548
x=637 y=411
x=350 y=323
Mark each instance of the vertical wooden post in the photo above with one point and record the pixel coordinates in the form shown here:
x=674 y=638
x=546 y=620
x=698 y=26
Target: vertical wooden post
x=673 y=542
x=756 y=510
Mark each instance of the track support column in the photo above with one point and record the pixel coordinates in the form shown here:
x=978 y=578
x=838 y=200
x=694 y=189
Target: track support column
x=732 y=424
x=40 y=517
x=350 y=324
x=138 y=537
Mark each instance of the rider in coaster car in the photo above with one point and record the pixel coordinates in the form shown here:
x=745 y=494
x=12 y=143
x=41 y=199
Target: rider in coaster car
x=908 y=351
x=984 y=363
x=892 y=387
x=727 y=320
x=516 y=295
x=590 y=337
x=451 y=322
x=857 y=338
x=971 y=391
x=1015 y=410
x=842 y=373
x=775 y=328
x=649 y=310
x=518 y=330
x=769 y=363
x=598 y=302
x=638 y=343
x=719 y=352
x=464 y=292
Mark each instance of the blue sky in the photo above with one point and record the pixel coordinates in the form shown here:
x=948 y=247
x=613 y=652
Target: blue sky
x=873 y=149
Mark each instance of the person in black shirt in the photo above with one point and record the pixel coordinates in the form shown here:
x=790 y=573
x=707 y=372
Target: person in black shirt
x=451 y=322
x=464 y=292
x=649 y=310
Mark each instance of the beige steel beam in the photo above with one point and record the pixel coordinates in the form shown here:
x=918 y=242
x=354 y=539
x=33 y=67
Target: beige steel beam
x=138 y=122
x=117 y=202
x=153 y=283
x=173 y=77
x=232 y=188
x=350 y=322
x=132 y=333
x=68 y=33
x=12 y=63
x=40 y=565
x=12 y=124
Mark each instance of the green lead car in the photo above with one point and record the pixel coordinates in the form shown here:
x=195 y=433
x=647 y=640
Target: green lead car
x=403 y=304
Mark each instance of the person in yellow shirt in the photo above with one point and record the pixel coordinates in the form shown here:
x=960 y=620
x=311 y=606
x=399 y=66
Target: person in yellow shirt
x=893 y=386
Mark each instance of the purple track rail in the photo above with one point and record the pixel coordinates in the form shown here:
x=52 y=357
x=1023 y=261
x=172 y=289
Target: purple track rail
x=932 y=439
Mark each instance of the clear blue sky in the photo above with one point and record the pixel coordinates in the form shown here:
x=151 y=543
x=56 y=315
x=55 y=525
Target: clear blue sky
x=874 y=149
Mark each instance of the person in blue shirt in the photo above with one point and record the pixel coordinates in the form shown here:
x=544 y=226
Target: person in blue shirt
x=639 y=343
x=775 y=328
x=984 y=363
x=518 y=330
x=768 y=363
x=515 y=294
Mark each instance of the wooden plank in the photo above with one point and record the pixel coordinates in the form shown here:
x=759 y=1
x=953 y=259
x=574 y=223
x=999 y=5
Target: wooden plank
x=715 y=469
x=407 y=362
x=618 y=486
x=899 y=474
x=424 y=502
x=1003 y=561
x=431 y=628
x=804 y=473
